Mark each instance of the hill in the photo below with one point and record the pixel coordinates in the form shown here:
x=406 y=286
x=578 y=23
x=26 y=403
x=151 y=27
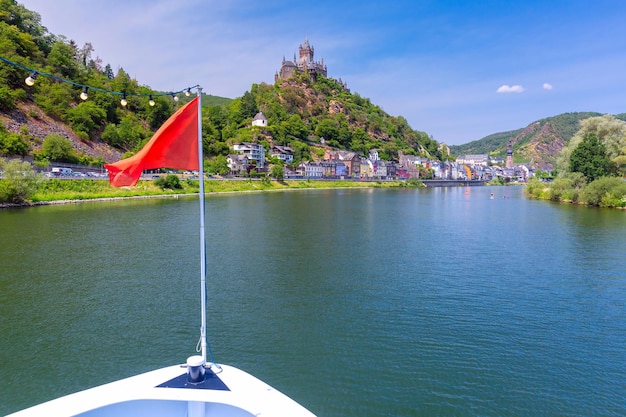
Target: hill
x=538 y=144
x=308 y=115
x=51 y=119
x=311 y=115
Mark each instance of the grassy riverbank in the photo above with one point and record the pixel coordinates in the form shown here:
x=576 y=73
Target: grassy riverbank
x=84 y=189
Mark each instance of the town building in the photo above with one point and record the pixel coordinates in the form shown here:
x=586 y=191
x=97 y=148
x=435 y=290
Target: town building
x=284 y=153
x=480 y=159
x=254 y=151
x=351 y=159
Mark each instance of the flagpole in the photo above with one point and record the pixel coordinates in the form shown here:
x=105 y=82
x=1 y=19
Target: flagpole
x=202 y=234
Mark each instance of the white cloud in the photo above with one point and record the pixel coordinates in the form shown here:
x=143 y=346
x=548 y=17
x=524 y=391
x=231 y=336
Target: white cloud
x=547 y=86
x=510 y=89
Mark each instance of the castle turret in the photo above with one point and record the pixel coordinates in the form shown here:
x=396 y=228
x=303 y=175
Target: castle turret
x=305 y=64
x=306 y=52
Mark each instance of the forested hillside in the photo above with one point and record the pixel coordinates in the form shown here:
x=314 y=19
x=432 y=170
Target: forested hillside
x=49 y=121
x=538 y=144
x=310 y=115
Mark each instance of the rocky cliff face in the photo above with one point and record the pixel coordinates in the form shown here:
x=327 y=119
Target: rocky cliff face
x=39 y=125
x=539 y=144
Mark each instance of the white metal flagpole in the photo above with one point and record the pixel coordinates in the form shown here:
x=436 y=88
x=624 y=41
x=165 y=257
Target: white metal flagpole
x=202 y=234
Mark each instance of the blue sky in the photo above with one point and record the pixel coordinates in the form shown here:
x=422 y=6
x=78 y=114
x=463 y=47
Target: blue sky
x=457 y=70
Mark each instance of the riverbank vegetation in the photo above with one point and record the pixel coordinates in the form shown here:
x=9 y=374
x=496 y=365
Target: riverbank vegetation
x=591 y=169
x=20 y=185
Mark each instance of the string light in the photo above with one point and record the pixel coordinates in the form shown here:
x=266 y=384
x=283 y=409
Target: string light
x=30 y=81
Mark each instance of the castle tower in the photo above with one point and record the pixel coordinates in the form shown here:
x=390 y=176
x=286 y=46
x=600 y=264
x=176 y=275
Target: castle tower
x=509 y=156
x=306 y=52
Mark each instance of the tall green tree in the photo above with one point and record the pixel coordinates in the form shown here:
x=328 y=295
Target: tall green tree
x=590 y=158
x=248 y=107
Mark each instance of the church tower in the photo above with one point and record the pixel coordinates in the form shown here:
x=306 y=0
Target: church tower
x=509 y=156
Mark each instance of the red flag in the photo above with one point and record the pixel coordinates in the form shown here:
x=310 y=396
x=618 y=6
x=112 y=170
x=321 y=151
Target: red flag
x=174 y=145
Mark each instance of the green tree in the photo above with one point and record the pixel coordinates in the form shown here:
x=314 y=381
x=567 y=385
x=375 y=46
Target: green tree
x=129 y=134
x=295 y=128
x=87 y=117
x=12 y=143
x=53 y=98
x=18 y=182
x=328 y=129
x=359 y=141
x=590 y=158
x=61 y=58
x=248 y=107
x=108 y=72
x=57 y=148
x=8 y=97
x=277 y=171
x=219 y=165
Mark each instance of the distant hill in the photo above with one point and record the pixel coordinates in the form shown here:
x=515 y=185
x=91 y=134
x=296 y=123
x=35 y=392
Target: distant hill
x=209 y=100
x=538 y=144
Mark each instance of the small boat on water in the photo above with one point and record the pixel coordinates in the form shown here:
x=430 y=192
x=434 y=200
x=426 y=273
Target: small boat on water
x=196 y=388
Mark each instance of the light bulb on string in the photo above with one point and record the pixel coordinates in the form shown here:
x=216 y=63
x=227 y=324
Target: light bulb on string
x=30 y=80
x=84 y=95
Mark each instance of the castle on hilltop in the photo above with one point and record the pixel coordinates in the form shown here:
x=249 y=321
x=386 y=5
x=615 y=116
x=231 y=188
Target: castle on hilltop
x=305 y=63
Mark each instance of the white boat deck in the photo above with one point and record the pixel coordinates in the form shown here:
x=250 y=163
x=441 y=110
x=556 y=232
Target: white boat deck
x=141 y=395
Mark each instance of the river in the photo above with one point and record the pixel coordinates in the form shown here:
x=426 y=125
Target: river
x=358 y=302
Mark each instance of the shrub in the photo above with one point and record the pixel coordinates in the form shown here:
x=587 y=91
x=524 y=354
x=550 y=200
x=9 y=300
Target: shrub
x=12 y=144
x=605 y=192
x=58 y=148
x=18 y=182
x=567 y=187
x=170 y=182
x=536 y=188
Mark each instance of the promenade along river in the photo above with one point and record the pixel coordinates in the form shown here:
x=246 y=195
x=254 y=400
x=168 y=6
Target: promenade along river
x=353 y=302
